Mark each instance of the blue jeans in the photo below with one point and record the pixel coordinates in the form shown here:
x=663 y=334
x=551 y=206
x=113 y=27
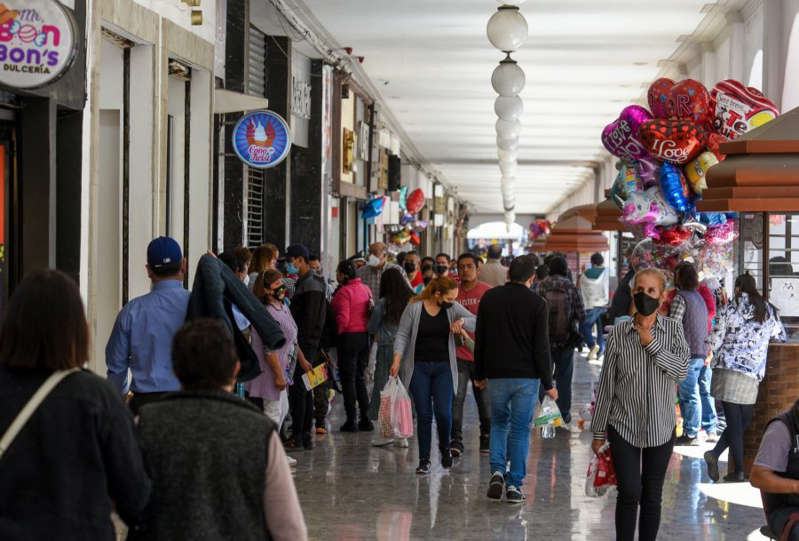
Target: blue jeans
x=513 y=401
x=431 y=389
x=563 y=359
x=593 y=317
x=696 y=404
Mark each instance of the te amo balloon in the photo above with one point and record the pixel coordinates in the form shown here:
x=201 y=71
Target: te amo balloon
x=739 y=108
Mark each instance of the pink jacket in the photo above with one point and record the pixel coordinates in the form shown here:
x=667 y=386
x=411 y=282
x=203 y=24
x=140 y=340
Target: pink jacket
x=351 y=306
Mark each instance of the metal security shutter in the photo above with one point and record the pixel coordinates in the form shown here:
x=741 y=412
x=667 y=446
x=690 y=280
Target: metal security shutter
x=256 y=78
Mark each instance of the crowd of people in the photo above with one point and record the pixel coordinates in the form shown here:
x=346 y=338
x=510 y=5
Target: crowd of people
x=167 y=439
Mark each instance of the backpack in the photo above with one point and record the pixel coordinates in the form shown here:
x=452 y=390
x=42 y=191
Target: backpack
x=559 y=311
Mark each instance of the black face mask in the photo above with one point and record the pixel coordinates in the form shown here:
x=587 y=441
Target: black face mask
x=645 y=304
x=445 y=305
x=427 y=279
x=441 y=269
x=410 y=266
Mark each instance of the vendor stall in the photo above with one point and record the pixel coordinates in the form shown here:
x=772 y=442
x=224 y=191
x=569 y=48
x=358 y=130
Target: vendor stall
x=574 y=236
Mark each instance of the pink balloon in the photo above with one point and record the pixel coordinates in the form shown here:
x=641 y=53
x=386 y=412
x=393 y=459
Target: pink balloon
x=621 y=138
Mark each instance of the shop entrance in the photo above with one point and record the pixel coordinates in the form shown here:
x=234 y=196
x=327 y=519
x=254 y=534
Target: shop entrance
x=8 y=159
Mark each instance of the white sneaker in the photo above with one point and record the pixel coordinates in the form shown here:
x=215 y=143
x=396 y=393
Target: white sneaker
x=382 y=442
x=292 y=461
x=571 y=427
x=402 y=443
x=592 y=355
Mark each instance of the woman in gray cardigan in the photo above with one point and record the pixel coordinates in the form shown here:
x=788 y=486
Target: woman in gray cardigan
x=424 y=357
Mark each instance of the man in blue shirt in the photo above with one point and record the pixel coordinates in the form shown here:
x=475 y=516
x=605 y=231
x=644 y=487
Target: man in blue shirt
x=142 y=337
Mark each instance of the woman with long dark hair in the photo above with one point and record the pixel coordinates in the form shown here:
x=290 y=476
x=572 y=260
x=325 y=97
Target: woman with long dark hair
x=394 y=297
x=76 y=458
x=740 y=341
x=424 y=357
x=351 y=305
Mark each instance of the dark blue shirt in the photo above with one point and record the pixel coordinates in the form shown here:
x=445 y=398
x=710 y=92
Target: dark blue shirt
x=142 y=340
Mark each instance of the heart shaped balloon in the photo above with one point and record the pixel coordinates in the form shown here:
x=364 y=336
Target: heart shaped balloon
x=621 y=137
x=658 y=97
x=675 y=141
x=739 y=108
x=713 y=142
x=415 y=201
x=690 y=100
x=697 y=169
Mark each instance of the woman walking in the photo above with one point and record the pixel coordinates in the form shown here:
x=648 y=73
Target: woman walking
x=740 y=339
x=76 y=458
x=424 y=356
x=351 y=305
x=394 y=297
x=644 y=359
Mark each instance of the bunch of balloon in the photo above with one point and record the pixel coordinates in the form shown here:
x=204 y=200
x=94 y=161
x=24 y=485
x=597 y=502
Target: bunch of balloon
x=410 y=225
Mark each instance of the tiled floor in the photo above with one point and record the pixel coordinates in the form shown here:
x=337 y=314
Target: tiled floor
x=351 y=491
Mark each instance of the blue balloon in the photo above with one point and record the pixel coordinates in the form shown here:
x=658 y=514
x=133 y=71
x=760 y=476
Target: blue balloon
x=374 y=208
x=672 y=183
x=712 y=219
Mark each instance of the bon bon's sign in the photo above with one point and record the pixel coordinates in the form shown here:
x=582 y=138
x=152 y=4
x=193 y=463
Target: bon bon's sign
x=37 y=42
x=262 y=139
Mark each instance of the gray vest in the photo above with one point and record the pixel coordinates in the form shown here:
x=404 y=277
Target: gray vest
x=206 y=453
x=694 y=322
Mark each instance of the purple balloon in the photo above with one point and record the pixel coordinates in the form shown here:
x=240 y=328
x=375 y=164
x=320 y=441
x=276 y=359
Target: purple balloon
x=648 y=171
x=620 y=137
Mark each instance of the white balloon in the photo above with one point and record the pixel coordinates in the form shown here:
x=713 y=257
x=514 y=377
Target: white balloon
x=508 y=107
x=507 y=29
x=508 y=78
x=508 y=128
x=511 y=143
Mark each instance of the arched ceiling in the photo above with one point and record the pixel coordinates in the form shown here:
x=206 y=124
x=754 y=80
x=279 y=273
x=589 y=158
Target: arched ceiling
x=584 y=60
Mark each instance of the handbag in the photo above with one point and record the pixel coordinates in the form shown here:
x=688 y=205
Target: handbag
x=30 y=407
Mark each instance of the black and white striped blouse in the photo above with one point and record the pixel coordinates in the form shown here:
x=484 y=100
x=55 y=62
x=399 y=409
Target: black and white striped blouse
x=637 y=385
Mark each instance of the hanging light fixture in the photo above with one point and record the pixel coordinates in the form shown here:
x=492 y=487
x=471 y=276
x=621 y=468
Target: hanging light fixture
x=507 y=28
x=508 y=78
x=508 y=169
x=509 y=143
x=509 y=107
x=508 y=128
x=507 y=155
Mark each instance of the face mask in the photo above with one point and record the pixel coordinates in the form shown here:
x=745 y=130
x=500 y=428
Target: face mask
x=247 y=281
x=319 y=273
x=373 y=260
x=427 y=279
x=291 y=269
x=441 y=269
x=645 y=304
x=445 y=305
x=279 y=292
x=410 y=266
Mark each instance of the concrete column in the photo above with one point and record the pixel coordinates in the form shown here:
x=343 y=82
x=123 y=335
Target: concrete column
x=736 y=67
x=774 y=50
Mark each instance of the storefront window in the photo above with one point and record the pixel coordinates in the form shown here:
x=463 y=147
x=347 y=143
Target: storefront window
x=783 y=264
x=749 y=248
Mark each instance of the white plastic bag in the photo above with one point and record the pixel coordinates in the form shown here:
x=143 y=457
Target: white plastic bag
x=395 y=416
x=549 y=418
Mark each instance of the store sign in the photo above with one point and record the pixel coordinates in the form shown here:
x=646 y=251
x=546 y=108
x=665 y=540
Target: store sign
x=38 y=42
x=262 y=139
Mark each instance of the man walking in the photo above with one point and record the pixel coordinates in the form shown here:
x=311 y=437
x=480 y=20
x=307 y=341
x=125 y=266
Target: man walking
x=376 y=265
x=142 y=337
x=512 y=352
x=594 y=289
x=494 y=273
x=469 y=294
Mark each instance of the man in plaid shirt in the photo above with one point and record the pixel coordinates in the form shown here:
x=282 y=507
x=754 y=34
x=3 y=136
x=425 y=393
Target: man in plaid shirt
x=376 y=265
x=566 y=317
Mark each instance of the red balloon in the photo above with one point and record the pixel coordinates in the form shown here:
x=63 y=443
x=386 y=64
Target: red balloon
x=415 y=239
x=415 y=201
x=713 y=142
x=675 y=141
x=690 y=100
x=658 y=97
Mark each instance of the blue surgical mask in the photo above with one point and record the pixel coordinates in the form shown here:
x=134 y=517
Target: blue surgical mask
x=291 y=269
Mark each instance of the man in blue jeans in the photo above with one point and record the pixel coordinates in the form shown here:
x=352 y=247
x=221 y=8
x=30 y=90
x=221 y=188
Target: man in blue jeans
x=594 y=290
x=512 y=357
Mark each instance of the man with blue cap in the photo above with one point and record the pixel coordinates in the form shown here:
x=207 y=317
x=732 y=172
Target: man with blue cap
x=142 y=337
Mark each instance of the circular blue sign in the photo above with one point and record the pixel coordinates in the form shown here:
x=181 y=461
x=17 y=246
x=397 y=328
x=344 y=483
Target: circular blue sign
x=262 y=139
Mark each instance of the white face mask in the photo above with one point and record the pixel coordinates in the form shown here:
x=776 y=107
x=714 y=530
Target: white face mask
x=247 y=281
x=373 y=260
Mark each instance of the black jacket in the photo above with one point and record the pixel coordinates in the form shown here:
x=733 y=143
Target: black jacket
x=309 y=308
x=75 y=455
x=512 y=336
x=622 y=299
x=215 y=288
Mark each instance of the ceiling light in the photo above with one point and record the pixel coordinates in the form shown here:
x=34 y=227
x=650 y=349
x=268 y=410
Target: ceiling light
x=508 y=107
x=507 y=155
x=508 y=128
x=507 y=28
x=508 y=78
x=508 y=169
x=511 y=143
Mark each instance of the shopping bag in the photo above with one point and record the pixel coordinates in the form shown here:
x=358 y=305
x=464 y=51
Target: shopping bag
x=601 y=475
x=548 y=414
x=395 y=416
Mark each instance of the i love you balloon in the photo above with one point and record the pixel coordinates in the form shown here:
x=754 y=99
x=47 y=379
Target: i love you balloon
x=689 y=100
x=415 y=201
x=739 y=108
x=675 y=141
x=620 y=137
x=658 y=97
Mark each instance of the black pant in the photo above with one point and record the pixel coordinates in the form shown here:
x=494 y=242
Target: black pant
x=353 y=356
x=140 y=399
x=738 y=417
x=640 y=474
x=301 y=409
x=466 y=373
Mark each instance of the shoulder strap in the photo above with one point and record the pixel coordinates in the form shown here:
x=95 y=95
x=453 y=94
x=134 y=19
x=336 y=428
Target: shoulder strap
x=31 y=406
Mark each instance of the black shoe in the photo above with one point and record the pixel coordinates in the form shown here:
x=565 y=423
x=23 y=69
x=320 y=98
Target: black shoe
x=687 y=441
x=485 y=444
x=735 y=477
x=446 y=459
x=293 y=446
x=496 y=486
x=424 y=467
x=712 y=466
x=349 y=427
x=514 y=495
x=456 y=449
x=366 y=425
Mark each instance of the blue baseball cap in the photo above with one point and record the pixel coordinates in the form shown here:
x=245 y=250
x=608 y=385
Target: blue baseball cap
x=297 y=250
x=163 y=251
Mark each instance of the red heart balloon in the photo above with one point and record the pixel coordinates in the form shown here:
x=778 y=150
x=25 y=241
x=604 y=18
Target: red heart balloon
x=675 y=141
x=415 y=202
x=690 y=100
x=658 y=97
x=713 y=142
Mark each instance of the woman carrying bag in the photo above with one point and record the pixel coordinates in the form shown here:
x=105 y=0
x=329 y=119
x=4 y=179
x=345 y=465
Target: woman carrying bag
x=424 y=358
x=740 y=341
x=383 y=323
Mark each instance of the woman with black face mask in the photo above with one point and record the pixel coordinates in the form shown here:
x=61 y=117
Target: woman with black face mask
x=644 y=359
x=424 y=358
